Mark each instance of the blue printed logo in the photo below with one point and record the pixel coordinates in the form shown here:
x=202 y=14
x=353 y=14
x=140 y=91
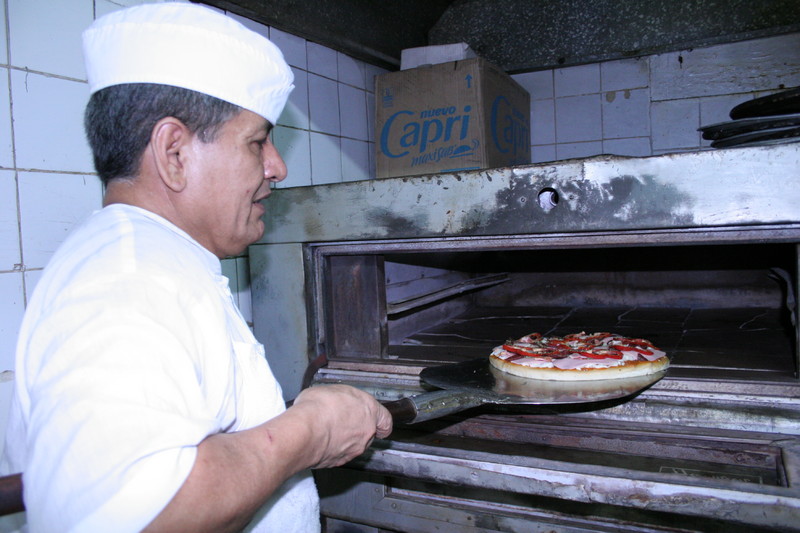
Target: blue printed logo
x=510 y=128
x=404 y=133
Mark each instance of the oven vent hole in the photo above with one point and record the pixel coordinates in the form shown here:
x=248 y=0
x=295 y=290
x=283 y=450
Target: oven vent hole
x=548 y=199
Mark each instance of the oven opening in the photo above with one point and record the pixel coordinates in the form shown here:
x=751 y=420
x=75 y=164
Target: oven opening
x=713 y=437
x=724 y=311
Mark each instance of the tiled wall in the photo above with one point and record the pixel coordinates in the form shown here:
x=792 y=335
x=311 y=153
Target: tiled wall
x=632 y=107
x=326 y=133
x=652 y=105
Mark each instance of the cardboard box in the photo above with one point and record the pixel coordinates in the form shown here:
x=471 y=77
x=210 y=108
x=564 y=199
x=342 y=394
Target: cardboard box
x=461 y=115
x=433 y=55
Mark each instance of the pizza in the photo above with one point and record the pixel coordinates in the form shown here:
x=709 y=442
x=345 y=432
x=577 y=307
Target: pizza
x=578 y=357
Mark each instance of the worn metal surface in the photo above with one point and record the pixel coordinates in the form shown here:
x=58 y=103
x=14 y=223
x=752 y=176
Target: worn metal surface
x=743 y=503
x=699 y=189
x=746 y=195
x=770 y=408
x=358 y=302
x=279 y=314
x=354 y=498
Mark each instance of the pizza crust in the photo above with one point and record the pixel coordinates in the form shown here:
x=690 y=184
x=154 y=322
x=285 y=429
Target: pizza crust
x=626 y=370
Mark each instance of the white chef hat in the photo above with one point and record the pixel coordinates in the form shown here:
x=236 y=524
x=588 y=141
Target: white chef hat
x=192 y=47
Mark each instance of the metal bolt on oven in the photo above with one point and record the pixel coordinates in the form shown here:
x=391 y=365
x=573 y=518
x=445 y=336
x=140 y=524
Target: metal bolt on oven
x=370 y=282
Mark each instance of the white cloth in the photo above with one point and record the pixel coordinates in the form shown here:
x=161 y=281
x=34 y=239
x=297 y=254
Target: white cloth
x=188 y=46
x=131 y=352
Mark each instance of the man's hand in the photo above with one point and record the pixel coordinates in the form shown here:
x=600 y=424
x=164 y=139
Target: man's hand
x=235 y=473
x=344 y=421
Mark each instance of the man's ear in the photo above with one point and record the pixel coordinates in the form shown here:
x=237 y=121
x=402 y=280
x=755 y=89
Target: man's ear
x=169 y=147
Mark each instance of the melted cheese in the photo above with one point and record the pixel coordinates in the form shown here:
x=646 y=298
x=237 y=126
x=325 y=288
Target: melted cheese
x=573 y=361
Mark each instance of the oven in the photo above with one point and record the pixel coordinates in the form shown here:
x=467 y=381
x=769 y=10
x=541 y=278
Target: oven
x=369 y=282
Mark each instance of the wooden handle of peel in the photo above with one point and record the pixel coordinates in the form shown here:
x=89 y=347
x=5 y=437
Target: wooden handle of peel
x=403 y=411
x=11 y=494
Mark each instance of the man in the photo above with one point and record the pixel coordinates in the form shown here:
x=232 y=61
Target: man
x=143 y=402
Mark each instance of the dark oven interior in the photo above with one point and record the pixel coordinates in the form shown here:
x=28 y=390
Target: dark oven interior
x=722 y=311
x=708 y=448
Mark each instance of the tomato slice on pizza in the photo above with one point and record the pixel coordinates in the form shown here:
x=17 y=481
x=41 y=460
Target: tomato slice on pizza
x=578 y=357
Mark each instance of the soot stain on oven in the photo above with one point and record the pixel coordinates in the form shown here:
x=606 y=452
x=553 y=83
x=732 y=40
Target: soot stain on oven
x=423 y=216
x=584 y=204
x=394 y=223
x=621 y=202
x=479 y=205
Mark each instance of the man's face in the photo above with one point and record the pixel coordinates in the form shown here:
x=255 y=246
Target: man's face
x=229 y=177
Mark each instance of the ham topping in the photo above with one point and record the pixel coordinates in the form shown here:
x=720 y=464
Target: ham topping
x=599 y=350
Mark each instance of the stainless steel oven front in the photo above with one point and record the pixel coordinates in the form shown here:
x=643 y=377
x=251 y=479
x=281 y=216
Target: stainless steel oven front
x=367 y=283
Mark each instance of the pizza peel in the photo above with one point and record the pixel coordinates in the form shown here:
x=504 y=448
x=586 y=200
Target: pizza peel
x=475 y=383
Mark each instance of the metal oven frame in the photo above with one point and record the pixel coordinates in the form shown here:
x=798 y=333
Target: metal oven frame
x=414 y=483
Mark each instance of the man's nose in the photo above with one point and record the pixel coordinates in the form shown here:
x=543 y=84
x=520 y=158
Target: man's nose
x=274 y=166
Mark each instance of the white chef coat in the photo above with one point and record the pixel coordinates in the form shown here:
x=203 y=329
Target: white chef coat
x=131 y=352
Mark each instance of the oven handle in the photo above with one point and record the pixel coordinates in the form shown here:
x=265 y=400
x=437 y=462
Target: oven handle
x=431 y=405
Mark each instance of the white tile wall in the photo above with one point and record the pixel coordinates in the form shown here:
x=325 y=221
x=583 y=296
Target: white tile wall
x=48 y=122
x=543 y=121
x=539 y=84
x=295 y=114
x=45 y=36
x=351 y=71
x=353 y=108
x=546 y=152
x=6 y=159
x=578 y=149
x=9 y=226
x=12 y=305
x=578 y=118
x=103 y=7
x=675 y=124
x=322 y=60
x=294 y=146
x=652 y=105
x=634 y=146
x=625 y=113
x=50 y=205
x=355 y=160
x=323 y=104
x=371 y=114
x=293 y=47
x=257 y=27
x=625 y=74
x=3 y=40
x=326 y=159
x=327 y=133
x=744 y=67
x=573 y=81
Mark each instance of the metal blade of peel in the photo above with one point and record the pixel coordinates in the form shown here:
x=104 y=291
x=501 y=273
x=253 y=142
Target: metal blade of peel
x=474 y=383
x=500 y=387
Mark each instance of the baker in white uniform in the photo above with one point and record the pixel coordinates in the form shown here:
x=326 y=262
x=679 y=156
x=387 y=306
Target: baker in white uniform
x=143 y=401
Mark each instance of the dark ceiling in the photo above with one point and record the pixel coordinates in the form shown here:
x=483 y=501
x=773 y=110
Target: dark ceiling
x=521 y=35
x=373 y=30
